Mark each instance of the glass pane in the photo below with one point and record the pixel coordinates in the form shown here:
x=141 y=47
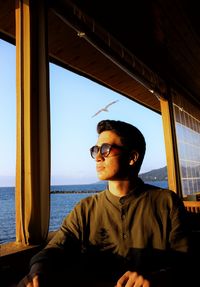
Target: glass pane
x=7 y=142
x=188 y=139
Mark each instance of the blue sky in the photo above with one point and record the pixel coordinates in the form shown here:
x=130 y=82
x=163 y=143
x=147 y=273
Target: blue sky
x=74 y=100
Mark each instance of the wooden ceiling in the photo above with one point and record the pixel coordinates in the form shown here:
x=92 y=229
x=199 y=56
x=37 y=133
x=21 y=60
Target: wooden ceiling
x=137 y=48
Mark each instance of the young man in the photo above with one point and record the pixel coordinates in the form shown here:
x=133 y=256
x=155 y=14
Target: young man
x=131 y=234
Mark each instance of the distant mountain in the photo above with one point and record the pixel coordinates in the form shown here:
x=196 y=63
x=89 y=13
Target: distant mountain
x=102 y=182
x=159 y=174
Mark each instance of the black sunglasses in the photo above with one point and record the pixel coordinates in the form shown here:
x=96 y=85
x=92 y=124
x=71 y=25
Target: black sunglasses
x=104 y=149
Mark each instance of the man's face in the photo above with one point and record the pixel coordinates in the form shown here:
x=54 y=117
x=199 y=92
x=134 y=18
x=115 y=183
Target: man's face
x=115 y=165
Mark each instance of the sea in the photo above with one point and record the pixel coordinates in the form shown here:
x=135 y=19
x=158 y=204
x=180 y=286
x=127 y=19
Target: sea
x=63 y=199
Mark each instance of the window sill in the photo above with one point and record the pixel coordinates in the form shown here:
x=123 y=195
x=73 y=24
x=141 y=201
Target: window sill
x=14 y=247
x=10 y=248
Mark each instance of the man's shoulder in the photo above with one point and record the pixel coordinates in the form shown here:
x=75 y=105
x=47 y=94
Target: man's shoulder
x=163 y=196
x=154 y=189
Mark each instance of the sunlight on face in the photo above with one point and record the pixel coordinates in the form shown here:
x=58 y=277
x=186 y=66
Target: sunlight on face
x=115 y=165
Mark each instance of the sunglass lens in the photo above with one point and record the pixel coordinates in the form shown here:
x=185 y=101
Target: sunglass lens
x=105 y=149
x=94 y=151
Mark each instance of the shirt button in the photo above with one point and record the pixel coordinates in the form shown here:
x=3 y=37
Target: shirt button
x=123 y=216
x=124 y=236
x=122 y=200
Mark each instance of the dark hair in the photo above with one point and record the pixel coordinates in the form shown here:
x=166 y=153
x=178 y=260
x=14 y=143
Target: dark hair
x=130 y=136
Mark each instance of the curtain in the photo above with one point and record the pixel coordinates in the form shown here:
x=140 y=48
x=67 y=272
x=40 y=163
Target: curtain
x=33 y=123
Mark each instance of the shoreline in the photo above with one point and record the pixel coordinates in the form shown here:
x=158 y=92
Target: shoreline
x=73 y=191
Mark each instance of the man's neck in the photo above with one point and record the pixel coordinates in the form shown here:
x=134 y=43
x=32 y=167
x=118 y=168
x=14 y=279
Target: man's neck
x=122 y=187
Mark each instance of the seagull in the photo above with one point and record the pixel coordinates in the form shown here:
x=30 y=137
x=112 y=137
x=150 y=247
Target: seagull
x=105 y=109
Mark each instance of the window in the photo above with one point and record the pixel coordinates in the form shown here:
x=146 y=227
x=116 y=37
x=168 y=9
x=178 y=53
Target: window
x=7 y=142
x=75 y=102
x=188 y=140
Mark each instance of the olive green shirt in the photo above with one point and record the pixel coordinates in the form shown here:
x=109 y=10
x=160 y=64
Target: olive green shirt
x=145 y=230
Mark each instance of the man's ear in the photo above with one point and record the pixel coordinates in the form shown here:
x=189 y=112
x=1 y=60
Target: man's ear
x=133 y=157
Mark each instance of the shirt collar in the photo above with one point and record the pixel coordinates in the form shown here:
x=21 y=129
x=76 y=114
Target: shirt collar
x=134 y=193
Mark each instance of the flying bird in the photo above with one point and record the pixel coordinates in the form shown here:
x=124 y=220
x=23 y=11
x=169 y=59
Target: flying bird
x=105 y=109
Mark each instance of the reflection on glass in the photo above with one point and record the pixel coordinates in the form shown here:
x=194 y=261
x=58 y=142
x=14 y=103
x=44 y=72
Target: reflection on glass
x=187 y=123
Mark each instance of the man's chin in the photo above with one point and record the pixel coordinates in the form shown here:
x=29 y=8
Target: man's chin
x=101 y=177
